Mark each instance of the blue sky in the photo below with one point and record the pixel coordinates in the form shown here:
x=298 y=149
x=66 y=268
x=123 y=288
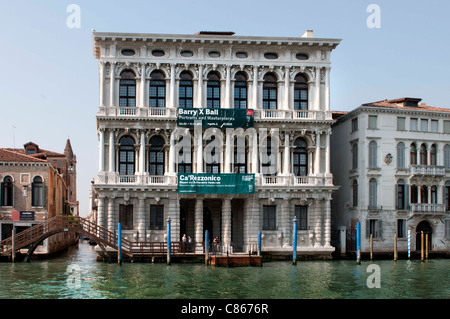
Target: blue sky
x=49 y=83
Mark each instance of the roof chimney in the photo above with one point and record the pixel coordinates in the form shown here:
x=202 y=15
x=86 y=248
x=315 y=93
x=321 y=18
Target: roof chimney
x=308 y=34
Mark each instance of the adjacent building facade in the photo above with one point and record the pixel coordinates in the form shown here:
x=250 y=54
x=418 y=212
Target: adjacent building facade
x=391 y=160
x=37 y=185
x=148 y=82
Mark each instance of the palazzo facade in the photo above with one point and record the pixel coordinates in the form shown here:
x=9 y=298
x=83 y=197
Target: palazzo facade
x=145 y=79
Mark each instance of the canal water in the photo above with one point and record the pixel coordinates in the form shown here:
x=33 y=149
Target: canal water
x=77 y=274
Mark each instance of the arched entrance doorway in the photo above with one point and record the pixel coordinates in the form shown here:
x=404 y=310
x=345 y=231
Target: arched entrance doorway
x=424 y=227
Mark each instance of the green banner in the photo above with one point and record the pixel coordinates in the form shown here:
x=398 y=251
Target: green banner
x=223 y=118
x=204 y=183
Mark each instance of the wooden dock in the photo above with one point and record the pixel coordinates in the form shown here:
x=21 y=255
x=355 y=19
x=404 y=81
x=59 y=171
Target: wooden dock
x=235 y=260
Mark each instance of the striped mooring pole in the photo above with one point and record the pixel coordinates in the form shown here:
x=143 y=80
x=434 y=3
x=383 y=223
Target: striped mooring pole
x=294 y=244
x=169 y=256
x=409 y=243
x=358 y=243
x=206 y=246
x=119 y=243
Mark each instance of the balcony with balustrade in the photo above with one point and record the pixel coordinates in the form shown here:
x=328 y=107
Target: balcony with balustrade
x=422 y=209
x=427 y=170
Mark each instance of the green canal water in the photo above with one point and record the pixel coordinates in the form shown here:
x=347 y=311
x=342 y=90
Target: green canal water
x=76 y=274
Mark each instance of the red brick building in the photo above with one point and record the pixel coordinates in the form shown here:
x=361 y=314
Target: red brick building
x=37 y=184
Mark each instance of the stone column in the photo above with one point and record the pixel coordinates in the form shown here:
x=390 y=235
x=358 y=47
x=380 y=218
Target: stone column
x=172 y=153
x=287 y=155
x=142 y=154
x=174 y=214
x=101 y=159
x=199 y=220
x=317 y=155
x=317 y=90
x=142 y=86
x=327 y=153
x=318 y=225
x=286 y=88
x=255 y=164
x=112 y=83
x=255 y=87
x=226 y=222
x=102 y=83
x=200 y=86
x=173 y=103
x=112 y=152
x=228 y=87
x=286 y=220
x=111 y=216
x=327 y=88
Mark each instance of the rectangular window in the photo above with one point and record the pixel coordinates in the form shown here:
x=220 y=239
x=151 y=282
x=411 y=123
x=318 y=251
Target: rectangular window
x=156 y=217
x=447 y=127
x=434 y=126
x=301 y=212
x=372 y=122
x=269 y=217
x=414 y=124
x=374 y=227
x=424 y=125
x=401 y=228
x=401 y=124
x=126 y=216
x=355 y=124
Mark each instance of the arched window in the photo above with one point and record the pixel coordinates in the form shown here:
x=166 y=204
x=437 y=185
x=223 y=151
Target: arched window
x=126 y=156
x=433 y=194
x=268 y=157
x=37 y=192
x=355 y=156
x=185 y=96
x=355 y=193
x=413 y=154
x=157 y=89
x=240 y=155
x=433 y=155
x=156 y=156
x=7 y=191
x=127 y=89
x=423 y=155
x=401 y=188
x=300 y=92
x=300 y=157
x=213 y=91
x=373 y=194
x=401 y=155
x=184 y=156
x=240 y=91
x=373 y=154
x=447 y=156
x=270 y=92
x=212 y=162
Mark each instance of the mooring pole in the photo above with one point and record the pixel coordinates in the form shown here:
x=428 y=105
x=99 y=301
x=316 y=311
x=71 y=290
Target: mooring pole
x=206 y=246
x=395 y=246
x=259 y=243
x=358 y=242
x=294 y=243
x=409 y=243
x=168 y=242
x=13 y=252
x=421 y=246
x=119 y=243
x=426 y=246
x=371 y=246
